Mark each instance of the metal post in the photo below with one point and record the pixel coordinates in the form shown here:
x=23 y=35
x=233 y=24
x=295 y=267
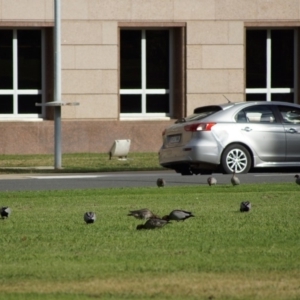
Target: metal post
x=57 y=85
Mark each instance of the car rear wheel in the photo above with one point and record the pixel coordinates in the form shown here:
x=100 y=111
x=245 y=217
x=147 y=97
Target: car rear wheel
x=236 y=158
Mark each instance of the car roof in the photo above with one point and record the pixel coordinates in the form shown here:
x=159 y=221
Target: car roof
x=258 y=102
x=225 y=106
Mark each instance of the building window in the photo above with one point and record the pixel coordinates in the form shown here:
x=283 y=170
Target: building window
x=146 y=83
x=21 y=78
x=271 y=60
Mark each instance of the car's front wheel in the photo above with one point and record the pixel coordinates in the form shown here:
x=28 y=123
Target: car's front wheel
x=236 y=158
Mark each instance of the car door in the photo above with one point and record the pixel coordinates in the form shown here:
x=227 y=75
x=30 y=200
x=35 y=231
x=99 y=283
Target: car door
x=264 y=133
x=291 y=122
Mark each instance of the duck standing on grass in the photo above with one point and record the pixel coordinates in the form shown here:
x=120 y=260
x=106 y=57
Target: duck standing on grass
x=245 y=206
x=211 y=181
x=234 y=179
x=178 y=215
x=297 y=179
x=89 y=217
x=143 y=213
x=5 y=212
x=152 y=224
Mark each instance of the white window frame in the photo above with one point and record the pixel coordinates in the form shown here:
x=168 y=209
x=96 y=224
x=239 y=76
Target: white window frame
x=15 y=91
x=144 y=91
x=268 y=90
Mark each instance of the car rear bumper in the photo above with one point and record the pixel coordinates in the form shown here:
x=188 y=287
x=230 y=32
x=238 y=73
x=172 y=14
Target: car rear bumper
x=199 y=154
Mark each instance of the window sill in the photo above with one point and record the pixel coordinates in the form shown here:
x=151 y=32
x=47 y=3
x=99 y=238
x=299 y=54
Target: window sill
x=144 y=118
x=21 y=119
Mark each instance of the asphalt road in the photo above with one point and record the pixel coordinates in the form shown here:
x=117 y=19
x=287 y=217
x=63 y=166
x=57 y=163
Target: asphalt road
x=37 y=182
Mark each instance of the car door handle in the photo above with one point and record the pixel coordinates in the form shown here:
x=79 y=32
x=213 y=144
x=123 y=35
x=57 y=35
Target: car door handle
x=291 y=130
x=247 y=129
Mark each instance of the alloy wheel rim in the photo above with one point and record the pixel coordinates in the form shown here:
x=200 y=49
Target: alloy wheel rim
x=236 y=160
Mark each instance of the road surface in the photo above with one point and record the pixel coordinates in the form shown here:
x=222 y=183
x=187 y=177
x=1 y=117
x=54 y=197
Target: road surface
x=35 y=182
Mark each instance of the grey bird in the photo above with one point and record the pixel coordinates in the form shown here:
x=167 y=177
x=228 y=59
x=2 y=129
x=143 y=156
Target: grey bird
x=152 y=224
x=160 y=182
x=245 y=206
x=234 y=179
x=211 y=181
x=5 y=212
x=89 y=217
x=297 y=179
x=143 y=213
x=178 y=215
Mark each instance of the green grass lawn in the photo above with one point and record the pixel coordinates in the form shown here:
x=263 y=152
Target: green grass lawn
x=48 y=252
x=79 y=162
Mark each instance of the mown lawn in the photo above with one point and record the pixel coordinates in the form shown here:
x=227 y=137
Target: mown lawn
x=48 y=252
x=79 y=162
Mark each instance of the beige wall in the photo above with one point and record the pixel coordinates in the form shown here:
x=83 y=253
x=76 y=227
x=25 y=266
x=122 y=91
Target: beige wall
x=215 y=46
x=80 y=136
x=215 y=51
x=26 y=10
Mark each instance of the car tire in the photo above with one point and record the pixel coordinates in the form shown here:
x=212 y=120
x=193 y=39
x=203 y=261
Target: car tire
x=236 y=158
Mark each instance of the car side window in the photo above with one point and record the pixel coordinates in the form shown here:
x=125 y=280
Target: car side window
x=256 y=114
x=290 y=115
x=241 y=117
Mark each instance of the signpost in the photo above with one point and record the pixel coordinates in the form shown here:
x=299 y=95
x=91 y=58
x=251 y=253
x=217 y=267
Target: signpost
x=57 y=102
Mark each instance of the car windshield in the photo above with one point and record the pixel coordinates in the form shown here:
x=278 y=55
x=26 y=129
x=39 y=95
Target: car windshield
x=200 y=113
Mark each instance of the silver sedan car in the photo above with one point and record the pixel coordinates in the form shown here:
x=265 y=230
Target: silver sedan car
x=233 y=137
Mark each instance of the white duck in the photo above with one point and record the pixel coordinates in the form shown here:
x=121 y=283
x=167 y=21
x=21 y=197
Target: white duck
x=89 y=217
x=5 y=212
x=245 y=206
x=178 y=215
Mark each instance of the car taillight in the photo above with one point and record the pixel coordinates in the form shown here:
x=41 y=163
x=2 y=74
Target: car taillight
x=199 y=127
x=164 y=132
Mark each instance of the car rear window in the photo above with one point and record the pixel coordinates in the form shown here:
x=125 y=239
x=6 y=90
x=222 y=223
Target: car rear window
x=290 y=114
x=200 y=113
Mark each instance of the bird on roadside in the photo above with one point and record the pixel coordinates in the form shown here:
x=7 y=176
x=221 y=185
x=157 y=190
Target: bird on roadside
x=211 y=181
x=143 y=213
x=153 y=224
x=234 y=179
x=245 y=206
x=89 y=217
x=160 y=182
x=178 y=215
x=5 y=212
x=297 y=179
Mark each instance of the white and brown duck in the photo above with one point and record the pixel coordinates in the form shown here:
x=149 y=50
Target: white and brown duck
x=211 y=181
x=143 y=213
x=234 y=179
